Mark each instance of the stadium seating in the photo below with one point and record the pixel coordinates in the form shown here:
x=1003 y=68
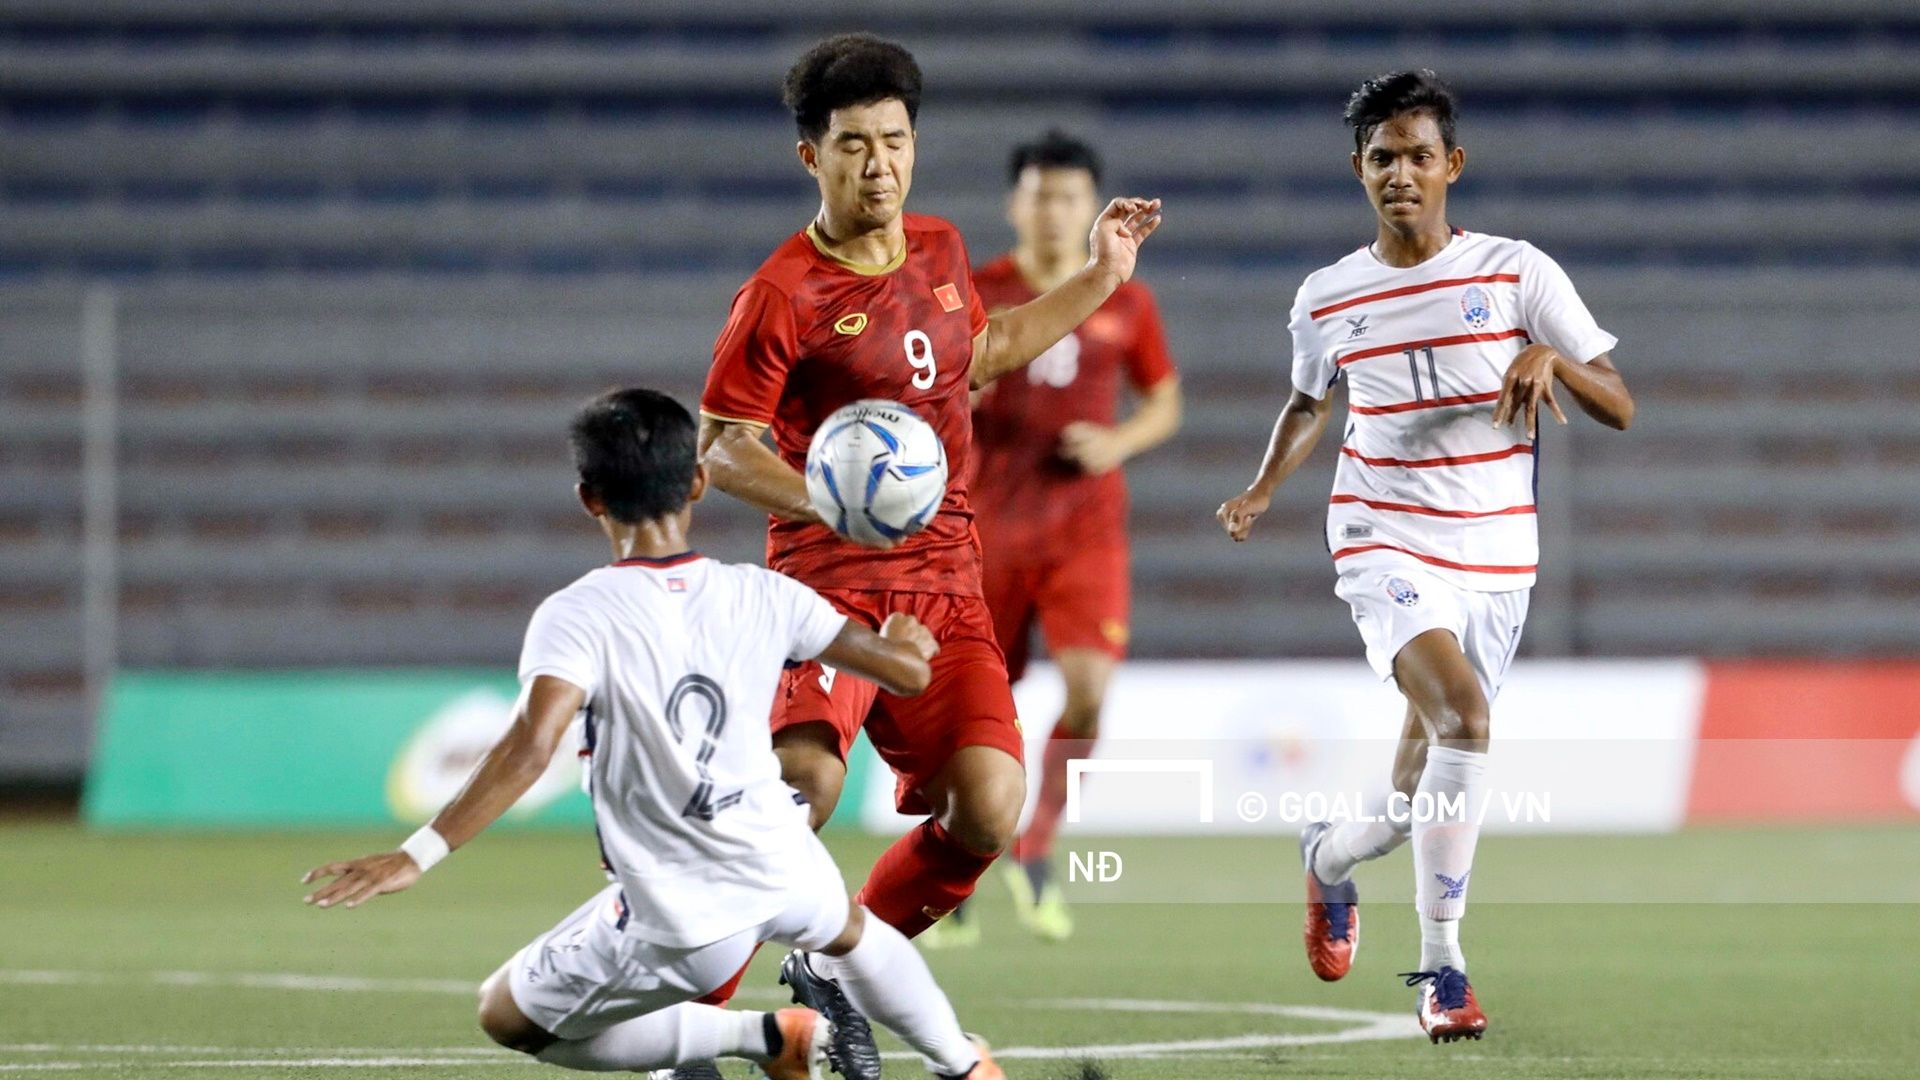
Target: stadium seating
x=365 y=256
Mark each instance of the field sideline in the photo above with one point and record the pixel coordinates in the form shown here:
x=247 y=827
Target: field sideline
x=190 y=956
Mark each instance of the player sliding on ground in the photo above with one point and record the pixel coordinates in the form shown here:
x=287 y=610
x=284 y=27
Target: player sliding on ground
x=674 y=660
x=870 y=302
x=1452 y=345
x=1051 y=500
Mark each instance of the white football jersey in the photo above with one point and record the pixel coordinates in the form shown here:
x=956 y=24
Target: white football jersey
x=1423 y=472
x=680 y=659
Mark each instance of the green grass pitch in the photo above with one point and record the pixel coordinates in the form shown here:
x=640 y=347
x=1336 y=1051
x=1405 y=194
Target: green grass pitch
x=167 y=955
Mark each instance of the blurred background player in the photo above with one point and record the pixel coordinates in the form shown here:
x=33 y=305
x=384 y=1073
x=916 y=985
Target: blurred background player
x=870 y=302
x=675 y=659
x=1047 y=488
x=1449 y=341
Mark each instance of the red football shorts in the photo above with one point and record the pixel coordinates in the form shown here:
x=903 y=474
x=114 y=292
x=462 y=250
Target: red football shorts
x=968 y=703
x=1080 y=597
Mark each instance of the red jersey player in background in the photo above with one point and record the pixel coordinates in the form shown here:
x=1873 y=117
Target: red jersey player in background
x=1047 y=488
x=870 y=302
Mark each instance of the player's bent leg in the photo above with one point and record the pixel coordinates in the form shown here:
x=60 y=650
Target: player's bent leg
x=810 y=762
x=1443 y=688
x=886 y=979
x=503 y=1021
x=927 y=875
x=977 y=796
x=1329 y=852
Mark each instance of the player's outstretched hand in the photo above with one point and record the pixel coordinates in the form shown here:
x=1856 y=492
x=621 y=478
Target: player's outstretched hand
x=359 y=880
x=1119 y=231
x=1093 y=447
x=907 y=630
x=1529 y=382
x=1238 y=514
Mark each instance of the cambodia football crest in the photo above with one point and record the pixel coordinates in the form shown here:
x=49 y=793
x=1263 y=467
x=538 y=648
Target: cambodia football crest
x=1475 y=308
x=1402 y=592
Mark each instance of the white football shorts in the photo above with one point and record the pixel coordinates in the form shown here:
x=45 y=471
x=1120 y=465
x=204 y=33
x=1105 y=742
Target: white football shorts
x=586 y=974
x=1396 y=603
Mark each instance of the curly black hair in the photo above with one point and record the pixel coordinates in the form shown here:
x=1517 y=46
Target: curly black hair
x=846 y=70
x=1054 y=150
x=1395 y=94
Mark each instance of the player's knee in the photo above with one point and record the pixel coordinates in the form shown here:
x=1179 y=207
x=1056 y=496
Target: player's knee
x=813 y=770
x=1462 y=716
x=503 y=1021
x=820 y=785
x=986 y=819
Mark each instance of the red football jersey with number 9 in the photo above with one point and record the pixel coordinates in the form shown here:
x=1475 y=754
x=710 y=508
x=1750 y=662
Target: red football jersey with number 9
x=809 y=333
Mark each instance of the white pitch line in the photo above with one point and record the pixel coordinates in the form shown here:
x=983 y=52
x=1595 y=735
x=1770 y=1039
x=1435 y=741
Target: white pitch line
x=257 y=1051
x=1363 y=1026
x=282 y=981
x=263 y=1063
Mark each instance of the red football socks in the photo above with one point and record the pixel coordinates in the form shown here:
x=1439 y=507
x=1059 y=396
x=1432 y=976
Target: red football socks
x=923 y=876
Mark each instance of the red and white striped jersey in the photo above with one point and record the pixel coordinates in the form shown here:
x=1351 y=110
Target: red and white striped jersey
x=1423 y=472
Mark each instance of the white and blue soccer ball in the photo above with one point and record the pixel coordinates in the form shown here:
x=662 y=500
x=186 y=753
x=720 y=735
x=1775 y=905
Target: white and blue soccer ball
x=876 y=472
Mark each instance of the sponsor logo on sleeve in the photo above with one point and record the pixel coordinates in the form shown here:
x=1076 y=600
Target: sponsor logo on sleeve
x=948 y=295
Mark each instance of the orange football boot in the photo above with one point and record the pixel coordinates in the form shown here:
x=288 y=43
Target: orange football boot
x=1332 y=932
x=1447 y=1008
x=804 y=1037
x=986 y=1069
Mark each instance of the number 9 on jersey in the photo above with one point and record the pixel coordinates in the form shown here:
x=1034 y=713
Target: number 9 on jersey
x=876 y=472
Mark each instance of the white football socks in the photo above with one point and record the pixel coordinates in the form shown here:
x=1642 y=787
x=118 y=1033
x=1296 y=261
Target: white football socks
x=660 y=1040
x=1446 y=829
x=886 y=978
x=1350 y=843
x=1440 y=945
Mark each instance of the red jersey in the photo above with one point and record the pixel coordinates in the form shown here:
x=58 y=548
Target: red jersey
x=1029 y=497
x=809 y=333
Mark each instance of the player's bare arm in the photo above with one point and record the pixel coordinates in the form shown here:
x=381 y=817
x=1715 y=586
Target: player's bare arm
x=1294 y=435
x=745 y=467
x=1013 y=338
x=540 y=720
x=1596 y=386
x=896 y=658
x=1098 y=448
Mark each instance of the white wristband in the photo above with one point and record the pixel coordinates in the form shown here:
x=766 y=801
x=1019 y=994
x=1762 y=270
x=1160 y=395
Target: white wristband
x=426 y=848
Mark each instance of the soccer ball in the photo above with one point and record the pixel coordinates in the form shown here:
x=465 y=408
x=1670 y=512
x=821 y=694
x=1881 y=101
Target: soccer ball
x=876 y=472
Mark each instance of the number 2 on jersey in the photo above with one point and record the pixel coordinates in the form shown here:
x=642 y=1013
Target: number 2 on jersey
x=920 y=354
x=702 y=806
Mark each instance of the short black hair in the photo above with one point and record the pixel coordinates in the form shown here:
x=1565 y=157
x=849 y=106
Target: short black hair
x=847 y=70
x=634 y=450
x=1054 y=150
x=1395 y=94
